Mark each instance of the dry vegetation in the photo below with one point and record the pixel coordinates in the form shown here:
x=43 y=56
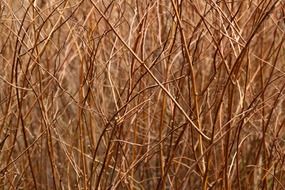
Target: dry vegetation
x=142 y=94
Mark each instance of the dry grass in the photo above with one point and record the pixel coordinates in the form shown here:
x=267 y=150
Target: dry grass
x=142 y=94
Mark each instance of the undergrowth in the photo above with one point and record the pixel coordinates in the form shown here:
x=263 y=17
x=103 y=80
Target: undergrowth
x=142 y=94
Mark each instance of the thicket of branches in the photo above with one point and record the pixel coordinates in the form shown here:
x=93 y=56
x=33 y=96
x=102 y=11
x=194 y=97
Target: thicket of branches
x=142 y=94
